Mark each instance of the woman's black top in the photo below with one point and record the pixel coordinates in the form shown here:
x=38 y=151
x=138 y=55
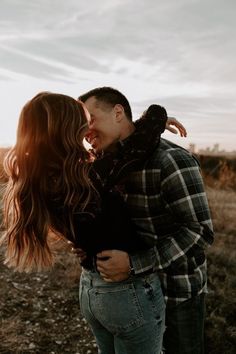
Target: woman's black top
x=106 y=223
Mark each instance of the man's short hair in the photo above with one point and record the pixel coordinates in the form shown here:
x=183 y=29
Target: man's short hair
x=109 y=96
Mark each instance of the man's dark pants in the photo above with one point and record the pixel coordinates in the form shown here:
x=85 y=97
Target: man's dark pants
x=184 y=332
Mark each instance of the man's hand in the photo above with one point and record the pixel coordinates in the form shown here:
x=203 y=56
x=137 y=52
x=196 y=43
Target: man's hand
x=113 y=265
x=180 y=128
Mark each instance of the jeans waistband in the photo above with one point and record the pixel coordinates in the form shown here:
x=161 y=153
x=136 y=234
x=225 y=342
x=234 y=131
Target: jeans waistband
x=93 y=269
x=94 y=279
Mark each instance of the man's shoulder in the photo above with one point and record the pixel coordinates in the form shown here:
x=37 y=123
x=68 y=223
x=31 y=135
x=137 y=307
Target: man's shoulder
x=168 y=150
x=167 y=147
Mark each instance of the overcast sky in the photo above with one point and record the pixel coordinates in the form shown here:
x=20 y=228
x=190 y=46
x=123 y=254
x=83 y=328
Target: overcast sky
x=178 y=53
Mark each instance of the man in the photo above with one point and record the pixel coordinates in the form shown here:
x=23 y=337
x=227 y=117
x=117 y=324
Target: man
x=167 y=201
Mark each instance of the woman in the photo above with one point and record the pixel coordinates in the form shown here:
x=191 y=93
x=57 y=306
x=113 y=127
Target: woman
x=55 y=189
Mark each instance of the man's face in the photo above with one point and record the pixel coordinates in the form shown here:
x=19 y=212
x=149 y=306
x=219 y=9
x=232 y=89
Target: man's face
x=104 y=130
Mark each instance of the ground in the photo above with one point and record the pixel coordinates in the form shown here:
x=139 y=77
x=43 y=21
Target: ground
x=39 y=312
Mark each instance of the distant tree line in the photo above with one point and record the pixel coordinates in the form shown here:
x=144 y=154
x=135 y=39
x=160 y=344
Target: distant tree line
x=219 y=171
x=212 y=166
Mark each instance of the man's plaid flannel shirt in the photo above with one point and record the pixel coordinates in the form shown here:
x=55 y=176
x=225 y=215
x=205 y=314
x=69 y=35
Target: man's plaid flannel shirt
x=168 y=203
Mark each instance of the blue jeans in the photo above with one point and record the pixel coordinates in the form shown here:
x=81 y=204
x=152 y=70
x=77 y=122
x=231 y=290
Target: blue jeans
x=125 y=317
x=184 y=332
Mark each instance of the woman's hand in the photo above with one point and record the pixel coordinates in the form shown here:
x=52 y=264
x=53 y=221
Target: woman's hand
x=81 y=254
x=171 y=121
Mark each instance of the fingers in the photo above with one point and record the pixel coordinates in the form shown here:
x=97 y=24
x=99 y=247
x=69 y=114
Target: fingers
x=78 y=252
x=180 y=128
x=113 y=265
x=106 y=253
x=172 y=130
x=102 y=266
x=81 y=254
x=106 y=277
x=114 y=278
x=102 y=258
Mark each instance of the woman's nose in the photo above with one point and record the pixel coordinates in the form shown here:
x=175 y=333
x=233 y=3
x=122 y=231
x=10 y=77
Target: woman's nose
x=89 y=136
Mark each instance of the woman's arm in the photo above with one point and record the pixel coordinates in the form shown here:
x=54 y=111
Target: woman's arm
x=171 y=121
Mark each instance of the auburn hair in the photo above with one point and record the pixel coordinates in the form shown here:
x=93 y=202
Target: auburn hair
x=47 y=167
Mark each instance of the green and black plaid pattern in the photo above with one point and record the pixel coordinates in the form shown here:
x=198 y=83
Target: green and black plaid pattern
x=168 y=203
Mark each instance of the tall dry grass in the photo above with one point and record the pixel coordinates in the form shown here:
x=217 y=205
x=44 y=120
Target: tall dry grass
x=221 y=300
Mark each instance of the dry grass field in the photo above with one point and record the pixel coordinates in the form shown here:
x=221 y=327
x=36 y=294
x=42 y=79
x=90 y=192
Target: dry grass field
x=221 y=300
x=39 y=313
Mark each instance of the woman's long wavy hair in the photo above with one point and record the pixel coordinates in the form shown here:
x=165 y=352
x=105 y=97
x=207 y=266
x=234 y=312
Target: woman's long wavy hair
x=48 y=165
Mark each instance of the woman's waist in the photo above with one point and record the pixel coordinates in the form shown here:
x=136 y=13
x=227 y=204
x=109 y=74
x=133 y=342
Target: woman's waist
x=94 y=245
x=92 y=278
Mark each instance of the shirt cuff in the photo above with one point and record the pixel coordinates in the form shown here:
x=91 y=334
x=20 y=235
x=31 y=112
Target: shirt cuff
x=143 y=261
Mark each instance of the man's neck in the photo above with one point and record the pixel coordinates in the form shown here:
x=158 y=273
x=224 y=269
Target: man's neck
x=129 y=129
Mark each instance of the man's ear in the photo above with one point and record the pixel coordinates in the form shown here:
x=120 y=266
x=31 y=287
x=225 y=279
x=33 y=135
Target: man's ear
x=119 y=112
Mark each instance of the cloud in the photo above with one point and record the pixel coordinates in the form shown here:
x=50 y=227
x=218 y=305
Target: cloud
x=180 y=53
x=184 y=40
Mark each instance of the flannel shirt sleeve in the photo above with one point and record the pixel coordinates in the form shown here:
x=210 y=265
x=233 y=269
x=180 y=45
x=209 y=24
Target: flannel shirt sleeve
x=143 y=261
x=183 y=192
